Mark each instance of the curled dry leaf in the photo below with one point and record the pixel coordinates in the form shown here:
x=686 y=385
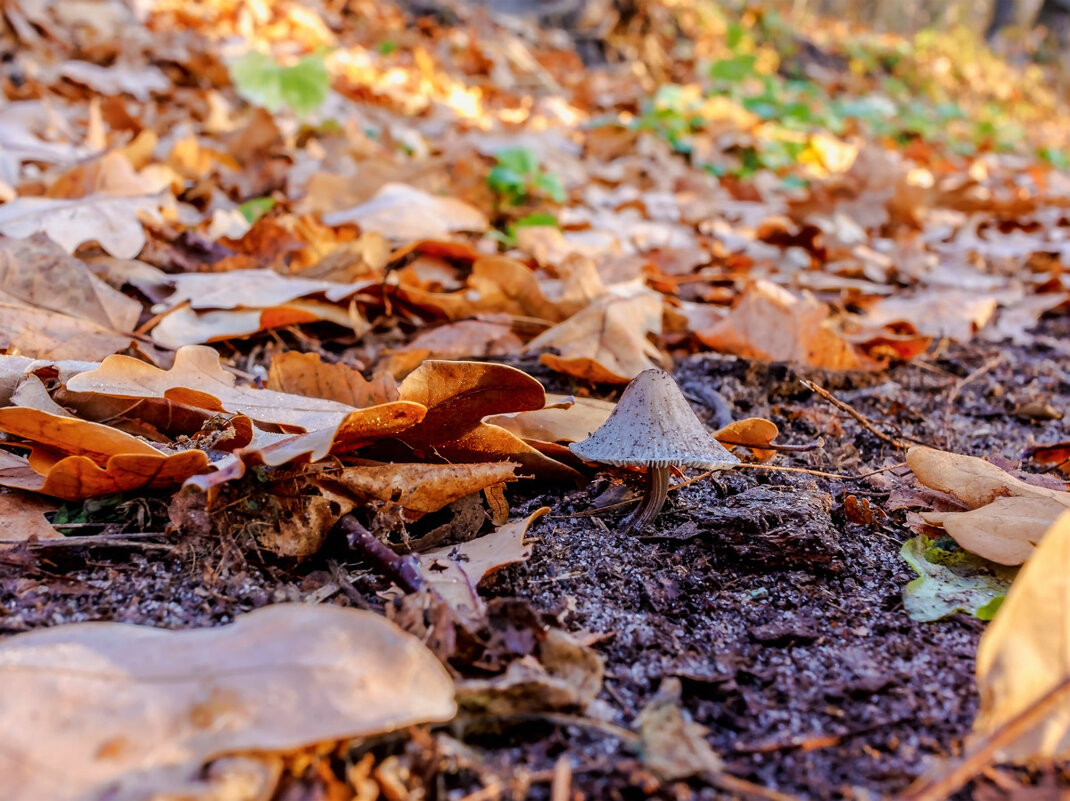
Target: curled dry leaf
x=455 y=571
x=198 y=379
x=307 y=374
x=607 y=341
x=458 y=395
x=71 y=435
x=1008 y=516
x=130 y=711
x=564 y=419
x=184 y=326
x=564 y=675
x=771 y=323
x=489 y=443
x=1025 y=652
x=75 y=478
x=671 y=745
x=973 y=481
x=1006 y=531
x=753 y=433
x=420 y=488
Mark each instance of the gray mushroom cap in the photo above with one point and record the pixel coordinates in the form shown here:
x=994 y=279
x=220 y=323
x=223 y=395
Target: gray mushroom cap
x=653 y=425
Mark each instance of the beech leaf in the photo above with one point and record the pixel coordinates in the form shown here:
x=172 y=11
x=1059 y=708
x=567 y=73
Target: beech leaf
x=1025 y=652
x=95 y=709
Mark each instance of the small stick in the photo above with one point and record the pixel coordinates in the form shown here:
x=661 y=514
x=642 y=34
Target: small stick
x=941 y=787
x=402 y=570
x=134 y=540
x=857 y=415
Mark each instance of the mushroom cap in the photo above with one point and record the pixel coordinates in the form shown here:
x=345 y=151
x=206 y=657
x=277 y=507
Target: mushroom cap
x=653 y=425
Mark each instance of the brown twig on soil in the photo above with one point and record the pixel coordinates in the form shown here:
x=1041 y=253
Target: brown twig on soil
x=857 y=415
x=136 y=540
x=991 y=364
x=402 y=570
x=978 y=758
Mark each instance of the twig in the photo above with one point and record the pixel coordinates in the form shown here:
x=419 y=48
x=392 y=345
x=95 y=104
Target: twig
x=136 y=540
x=733 y=784
x=341 y=578
x=991 y=364
x=857 y=415
x=402 y=570
x=977 y=759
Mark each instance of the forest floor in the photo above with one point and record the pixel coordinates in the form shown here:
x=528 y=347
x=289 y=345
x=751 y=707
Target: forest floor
x=857 y=237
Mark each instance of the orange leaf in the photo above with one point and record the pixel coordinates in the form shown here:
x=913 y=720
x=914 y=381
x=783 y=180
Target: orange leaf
x=460 y=394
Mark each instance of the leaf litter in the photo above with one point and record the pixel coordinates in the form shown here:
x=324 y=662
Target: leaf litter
x=341 y=208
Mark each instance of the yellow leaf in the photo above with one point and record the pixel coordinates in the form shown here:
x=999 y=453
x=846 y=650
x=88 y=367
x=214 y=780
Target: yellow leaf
x=1025 y=652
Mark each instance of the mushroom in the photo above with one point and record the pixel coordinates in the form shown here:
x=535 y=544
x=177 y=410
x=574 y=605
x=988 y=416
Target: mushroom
x=653 y=426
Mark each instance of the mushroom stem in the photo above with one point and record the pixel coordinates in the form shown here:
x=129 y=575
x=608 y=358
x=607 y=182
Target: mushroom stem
x=654 y=494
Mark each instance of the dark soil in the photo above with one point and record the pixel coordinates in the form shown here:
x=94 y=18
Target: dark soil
x=782 y=619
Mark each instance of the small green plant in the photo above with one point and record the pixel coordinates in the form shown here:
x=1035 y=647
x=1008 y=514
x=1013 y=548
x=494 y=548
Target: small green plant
x=518 y=176
x=263 y=82
x=508 y=237
x=255 y=208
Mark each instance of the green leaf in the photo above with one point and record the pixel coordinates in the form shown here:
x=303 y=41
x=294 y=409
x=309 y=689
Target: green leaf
x=733 y=70
x=508 y=183
x=305 y=85
x=550 y=185
x=252 y=210
x=520 y=160
x=262 y=82
x=256 y=77
x=536 y=219
x=950 y=581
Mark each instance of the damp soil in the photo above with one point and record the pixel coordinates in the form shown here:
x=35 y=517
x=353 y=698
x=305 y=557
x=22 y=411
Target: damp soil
x=781 y=618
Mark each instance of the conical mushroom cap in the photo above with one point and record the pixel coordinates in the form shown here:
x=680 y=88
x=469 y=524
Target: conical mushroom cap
x=653 y=425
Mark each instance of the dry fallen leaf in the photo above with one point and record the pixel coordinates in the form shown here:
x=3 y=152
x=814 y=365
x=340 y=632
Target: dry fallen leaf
x=184 y=326
x=458 y=395
x=564 y=675
x=564 y=419
x=673 y=746
x=753 y=433
x=1025 y=652
x=112 y=221
x=455 y=571
x=38 y=273
x=1008 y=516
x=420 y=488
x=306 y=374
x=95 y=709
x=607 y=341
x=770 y=323
x=22 y=517
x=198 y=379
x=43 y=334
x=402 y=212
x=75 y=478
